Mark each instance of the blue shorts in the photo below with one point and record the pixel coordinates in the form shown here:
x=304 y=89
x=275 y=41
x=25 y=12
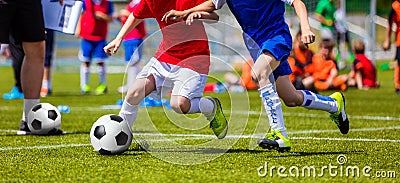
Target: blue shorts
x=133 y=50
x=278 y=46
x=92 y=50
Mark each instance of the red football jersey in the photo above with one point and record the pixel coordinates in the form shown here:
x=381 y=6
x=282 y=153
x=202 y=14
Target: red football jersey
x=91 y=28
x=139 y=32
x=182 y=45
x=367 y=69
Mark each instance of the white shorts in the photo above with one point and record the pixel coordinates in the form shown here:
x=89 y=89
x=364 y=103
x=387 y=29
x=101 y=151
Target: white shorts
x=168 y=77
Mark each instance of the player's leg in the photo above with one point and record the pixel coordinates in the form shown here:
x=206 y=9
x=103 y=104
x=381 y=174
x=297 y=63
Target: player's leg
x=46 y=82
x=263 y=76
x=182 y=105
x=397 y=77
x=397 y=71
x=187 y=98
x=333 y=104
x=133 y=54
x=85 y=56
x=135 y=94
x=101 y=71
x=6 y=11
x=144 y=85
x=32 y=35
x=32 y=73
x=340 y=82
x=17 y=56
x=99 y=55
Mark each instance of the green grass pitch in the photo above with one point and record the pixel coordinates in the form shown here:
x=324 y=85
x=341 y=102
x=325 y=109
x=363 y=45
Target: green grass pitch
x=181 y=148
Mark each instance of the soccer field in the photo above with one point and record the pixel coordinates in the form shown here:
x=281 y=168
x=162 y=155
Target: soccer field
x=175 y=148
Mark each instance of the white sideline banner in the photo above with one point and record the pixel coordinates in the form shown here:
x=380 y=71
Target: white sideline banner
x=63 y=18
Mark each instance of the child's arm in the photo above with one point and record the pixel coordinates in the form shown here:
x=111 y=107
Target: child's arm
x=207 y=6
x=307 y=36
x=78 y=26
x=130 y=23
x=208 y=17
x=102 y=16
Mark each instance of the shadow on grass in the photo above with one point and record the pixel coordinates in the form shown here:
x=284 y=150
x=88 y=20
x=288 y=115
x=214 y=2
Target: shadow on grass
x=207 y=150
x=270 y=153
x=70 y=94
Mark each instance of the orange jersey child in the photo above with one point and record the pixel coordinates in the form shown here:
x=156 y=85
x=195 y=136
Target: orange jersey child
x=300 y=58
x=323 y=69
x=394 y=18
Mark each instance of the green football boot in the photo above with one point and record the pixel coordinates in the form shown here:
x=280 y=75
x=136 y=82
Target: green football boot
x=218 y=122
x=339 y=117
x=275 y=140
x=101 y=89
x=85 y=89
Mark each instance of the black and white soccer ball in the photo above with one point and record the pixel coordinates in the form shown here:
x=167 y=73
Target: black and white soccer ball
x=111 y=134
x=43 y=118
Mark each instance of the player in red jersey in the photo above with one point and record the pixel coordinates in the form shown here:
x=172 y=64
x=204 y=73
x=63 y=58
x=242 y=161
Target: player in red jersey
x=363 y=71
x=180 y=64
x=93 y=31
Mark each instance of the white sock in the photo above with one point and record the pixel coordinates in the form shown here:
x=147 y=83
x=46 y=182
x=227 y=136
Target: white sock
x=45 y=84
x=206 y=106
x=28 y=104
x=273 y=108
x=85 y=74
x=129 y=112
x=131 y=73
x=102 y=73
x=319 y=102
x=194 y=106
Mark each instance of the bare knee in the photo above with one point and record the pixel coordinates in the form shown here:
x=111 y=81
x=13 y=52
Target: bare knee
x=180 y=105
x=135 y=95
x=34 y=51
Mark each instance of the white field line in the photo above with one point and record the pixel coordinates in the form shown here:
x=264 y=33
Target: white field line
x=42 y=147
x=256 y=135
x=288 y=114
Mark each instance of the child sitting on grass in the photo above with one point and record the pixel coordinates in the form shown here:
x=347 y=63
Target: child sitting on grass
x=323 y=69
x=363 y=71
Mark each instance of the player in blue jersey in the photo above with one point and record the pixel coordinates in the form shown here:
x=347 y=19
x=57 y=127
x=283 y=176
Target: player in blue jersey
x=269 y=42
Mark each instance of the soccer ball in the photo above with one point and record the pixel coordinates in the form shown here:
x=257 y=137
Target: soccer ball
x=110 y=134
x=43 y=118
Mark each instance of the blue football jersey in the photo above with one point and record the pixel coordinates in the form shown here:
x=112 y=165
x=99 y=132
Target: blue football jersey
x=263 y=25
